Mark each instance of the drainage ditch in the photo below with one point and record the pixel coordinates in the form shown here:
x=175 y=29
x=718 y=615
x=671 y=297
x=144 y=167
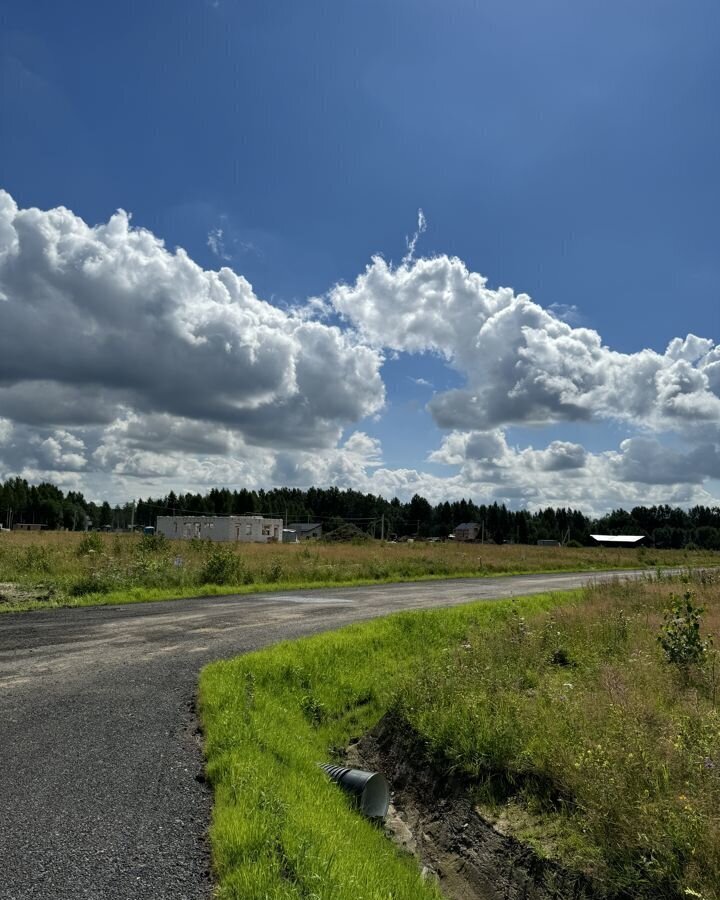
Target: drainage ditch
x=435 y=819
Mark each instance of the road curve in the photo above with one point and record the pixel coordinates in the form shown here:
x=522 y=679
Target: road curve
x=101 y=793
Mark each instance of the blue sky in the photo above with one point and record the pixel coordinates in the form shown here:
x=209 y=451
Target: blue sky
x=566 y=150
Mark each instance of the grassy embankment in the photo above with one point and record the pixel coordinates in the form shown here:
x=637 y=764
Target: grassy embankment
x=561 y=711
x=66 y=569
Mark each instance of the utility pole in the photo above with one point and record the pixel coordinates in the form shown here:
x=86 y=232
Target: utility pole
x=382 y=527
x=132 y=517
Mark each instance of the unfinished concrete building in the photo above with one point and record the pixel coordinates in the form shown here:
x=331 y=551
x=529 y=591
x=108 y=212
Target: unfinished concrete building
x=240 y=529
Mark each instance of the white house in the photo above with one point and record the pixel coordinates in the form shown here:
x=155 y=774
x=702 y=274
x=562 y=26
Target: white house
x=243 y=529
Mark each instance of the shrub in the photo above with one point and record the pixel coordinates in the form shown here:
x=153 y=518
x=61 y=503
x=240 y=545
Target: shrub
x=91 y=543
x=274 y=571
x=37 y=560
x=223 y=566
x=561 y=657
x=152 y=543
x=91 y=583
x=680 y=633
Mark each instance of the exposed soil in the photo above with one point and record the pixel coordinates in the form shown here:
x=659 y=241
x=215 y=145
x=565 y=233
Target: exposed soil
x=434 y=818
x=12 y=594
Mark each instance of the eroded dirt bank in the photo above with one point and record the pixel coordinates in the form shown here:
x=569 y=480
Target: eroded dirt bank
x=434 y=817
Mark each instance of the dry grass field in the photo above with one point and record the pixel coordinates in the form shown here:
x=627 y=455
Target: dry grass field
x=66 y=568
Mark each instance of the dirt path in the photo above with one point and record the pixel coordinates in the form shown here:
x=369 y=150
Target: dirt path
x=99 y=755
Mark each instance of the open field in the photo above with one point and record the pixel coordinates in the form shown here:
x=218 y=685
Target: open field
x=562 y=713
x=72 y=569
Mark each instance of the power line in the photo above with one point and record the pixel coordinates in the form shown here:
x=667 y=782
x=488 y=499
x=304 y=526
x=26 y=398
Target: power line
x=195 y=512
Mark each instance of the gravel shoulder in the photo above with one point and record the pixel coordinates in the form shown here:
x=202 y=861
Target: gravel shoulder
x=101 y=776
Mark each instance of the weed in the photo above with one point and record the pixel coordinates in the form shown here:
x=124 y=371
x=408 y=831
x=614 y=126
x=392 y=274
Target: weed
x=680 y=634
x=90 y=543
x=274 y=571
x=518 y=626
x=313 y=710
x=37 y=559
x=152 y=543
x=249 y=690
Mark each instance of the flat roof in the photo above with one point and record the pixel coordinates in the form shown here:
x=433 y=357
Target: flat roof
x=618 y=538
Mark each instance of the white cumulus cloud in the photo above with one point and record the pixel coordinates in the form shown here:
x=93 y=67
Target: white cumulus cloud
x=107 y=319
x=522 y=363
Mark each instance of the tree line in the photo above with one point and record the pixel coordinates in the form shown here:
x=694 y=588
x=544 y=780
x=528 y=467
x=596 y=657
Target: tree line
x=666 y=526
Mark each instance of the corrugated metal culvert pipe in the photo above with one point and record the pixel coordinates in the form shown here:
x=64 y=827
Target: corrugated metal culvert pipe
x=369 y=788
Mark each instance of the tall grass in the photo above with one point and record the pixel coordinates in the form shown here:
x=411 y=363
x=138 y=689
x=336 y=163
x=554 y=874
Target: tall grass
x=581 y=734
x=561 y=712
x=74 y=569
x=280 y=829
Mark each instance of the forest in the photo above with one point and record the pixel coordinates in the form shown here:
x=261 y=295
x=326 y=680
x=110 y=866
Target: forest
x=666 y=526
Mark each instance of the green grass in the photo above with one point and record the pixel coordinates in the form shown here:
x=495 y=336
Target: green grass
x=280 y=829
x=56 y=569
x=559 y=710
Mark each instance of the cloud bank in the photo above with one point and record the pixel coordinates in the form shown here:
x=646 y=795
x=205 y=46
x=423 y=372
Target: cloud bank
x=127 y=368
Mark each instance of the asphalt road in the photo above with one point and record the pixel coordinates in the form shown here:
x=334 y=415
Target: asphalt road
x=101 y=790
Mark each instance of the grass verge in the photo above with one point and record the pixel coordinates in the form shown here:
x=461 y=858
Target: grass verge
x=560 y=709
x=280 y=830
x=152 y=595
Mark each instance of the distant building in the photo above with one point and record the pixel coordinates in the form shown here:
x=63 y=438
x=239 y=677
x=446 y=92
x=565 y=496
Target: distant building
x=306 y=530
x=619 y=540
x=467 y=531
x=544 y=543
x=240 y=529
x=28 y=526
